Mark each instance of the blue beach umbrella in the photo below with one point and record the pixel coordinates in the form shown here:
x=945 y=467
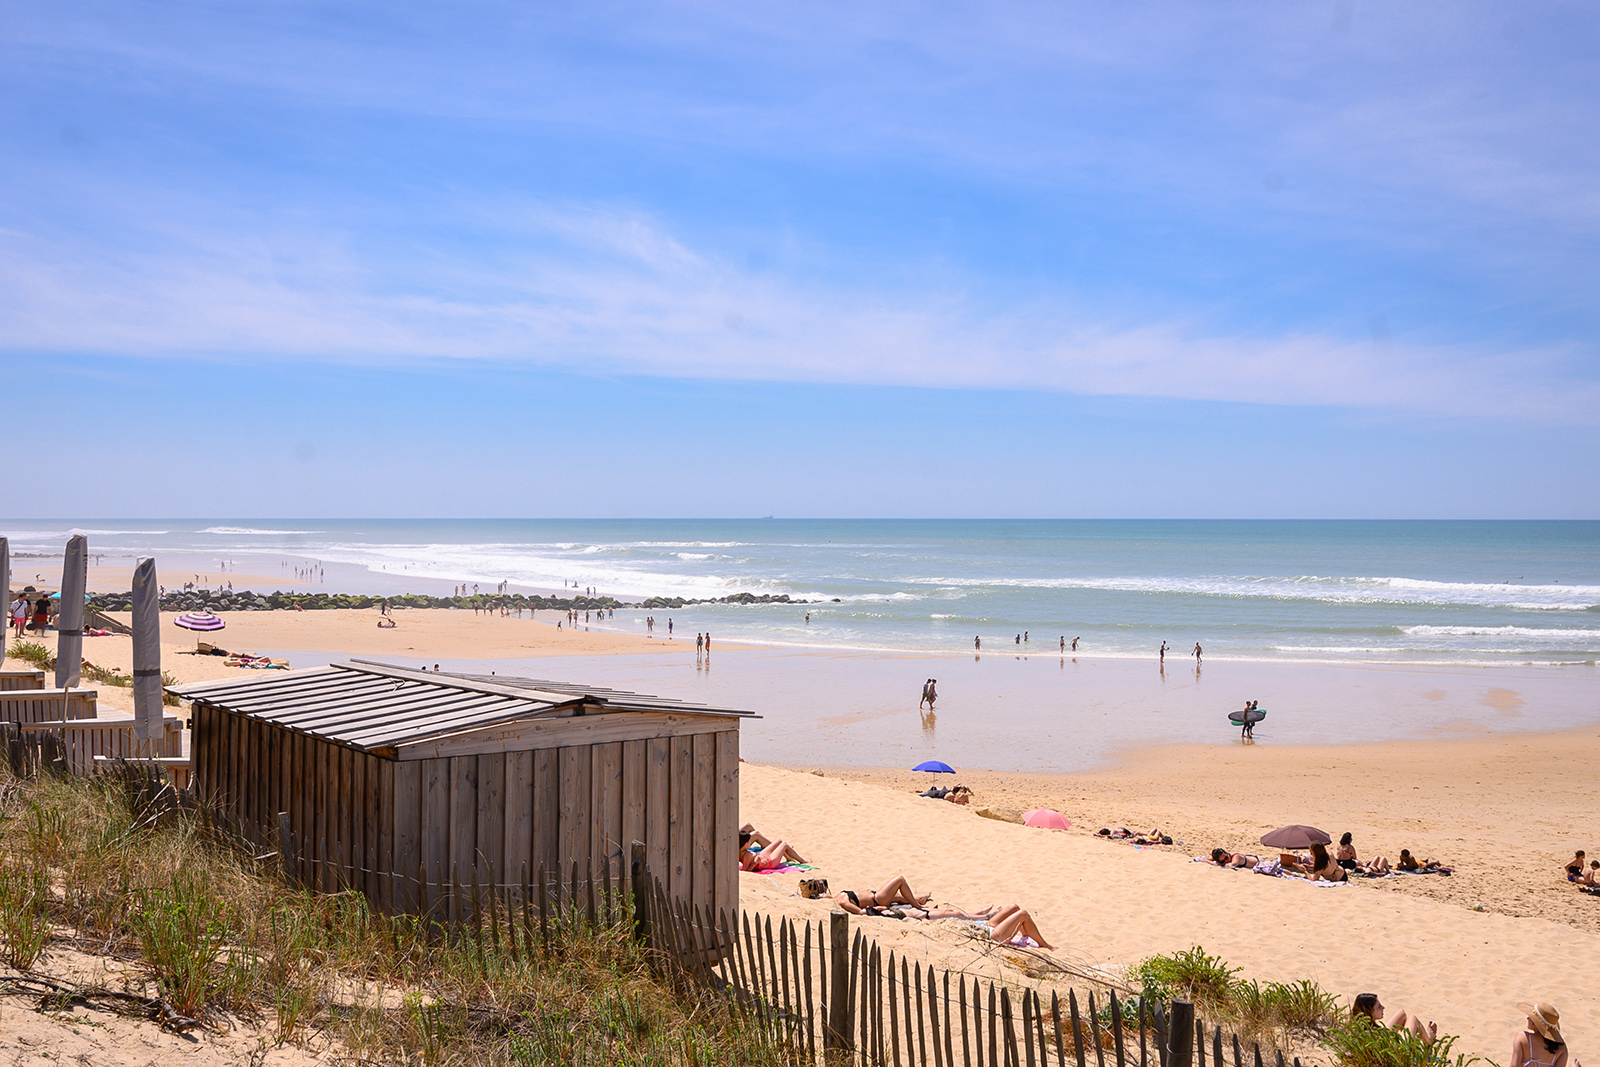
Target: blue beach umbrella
x=936 y=766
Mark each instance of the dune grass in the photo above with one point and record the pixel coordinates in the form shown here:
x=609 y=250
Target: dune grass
x=216 y=936
x=1285 y=1015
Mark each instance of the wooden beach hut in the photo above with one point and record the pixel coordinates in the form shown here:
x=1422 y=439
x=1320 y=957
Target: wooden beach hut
x=406 y=784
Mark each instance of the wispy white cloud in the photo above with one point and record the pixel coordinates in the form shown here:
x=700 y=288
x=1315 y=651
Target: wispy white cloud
x=604 y=290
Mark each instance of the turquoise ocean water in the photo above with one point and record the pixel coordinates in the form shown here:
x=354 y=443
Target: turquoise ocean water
x=1441 y=593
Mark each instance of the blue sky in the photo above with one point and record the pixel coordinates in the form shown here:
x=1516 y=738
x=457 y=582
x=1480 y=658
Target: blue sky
x=1325 y=259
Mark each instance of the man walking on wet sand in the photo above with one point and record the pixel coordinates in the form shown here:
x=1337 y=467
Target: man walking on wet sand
x=1197 y=652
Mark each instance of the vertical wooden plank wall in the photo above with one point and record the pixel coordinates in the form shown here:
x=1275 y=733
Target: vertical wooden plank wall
x=679 y=875
x=373 y=824
x=726 y=837
x=702 y=856
x=491 y=827
x=517 y=846
x=605 y=839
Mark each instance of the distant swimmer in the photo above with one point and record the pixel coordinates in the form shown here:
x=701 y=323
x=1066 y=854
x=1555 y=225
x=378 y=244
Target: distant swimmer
x=1063 y=642
x=1024 y=635
x=1019 y=639
x=977 y=643
x=1074 y=644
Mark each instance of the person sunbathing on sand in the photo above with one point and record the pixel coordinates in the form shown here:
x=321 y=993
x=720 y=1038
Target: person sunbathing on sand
x=761 y=839
x=1323 y=868
x=1011 y=922
x=1370 y=1008
x=1408 y=862
x=897 y=891
x=1223 y=858
x=943 y=911
x=773 y=854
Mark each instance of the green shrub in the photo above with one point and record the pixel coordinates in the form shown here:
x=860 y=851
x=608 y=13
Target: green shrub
x=34 y=653
x=1359 y=1043
x=182 y=934
x=1203 y=980
x=24 y=915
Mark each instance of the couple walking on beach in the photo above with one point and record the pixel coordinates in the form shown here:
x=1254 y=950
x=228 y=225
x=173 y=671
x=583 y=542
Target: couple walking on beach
x=930 y=693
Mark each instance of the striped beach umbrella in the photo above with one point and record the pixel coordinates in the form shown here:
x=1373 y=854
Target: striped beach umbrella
x=199 y=620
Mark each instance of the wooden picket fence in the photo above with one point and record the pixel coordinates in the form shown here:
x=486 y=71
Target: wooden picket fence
x=838 y=997
x=827 y=993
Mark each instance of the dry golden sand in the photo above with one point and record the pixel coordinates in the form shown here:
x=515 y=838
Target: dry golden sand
x=97 y=1038
x=1506 y=811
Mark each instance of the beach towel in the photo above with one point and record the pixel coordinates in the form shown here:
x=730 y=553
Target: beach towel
x=785 y=869
x=1272 y=868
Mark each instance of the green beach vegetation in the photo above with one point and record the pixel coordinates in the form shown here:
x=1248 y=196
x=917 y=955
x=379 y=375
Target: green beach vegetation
x=200 y=933
x=1299 y=1018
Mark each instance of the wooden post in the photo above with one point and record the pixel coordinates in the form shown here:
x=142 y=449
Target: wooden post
x=1077 y=1027
x=837 y=1036
x=1181 y=1029
x=1116 y=1028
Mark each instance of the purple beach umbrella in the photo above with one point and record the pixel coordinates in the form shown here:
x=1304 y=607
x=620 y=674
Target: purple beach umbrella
x=199 y=620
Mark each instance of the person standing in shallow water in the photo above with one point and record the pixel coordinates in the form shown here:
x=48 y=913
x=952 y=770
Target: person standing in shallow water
x=1163 y=652
x=1197 y=652
x=977 y=643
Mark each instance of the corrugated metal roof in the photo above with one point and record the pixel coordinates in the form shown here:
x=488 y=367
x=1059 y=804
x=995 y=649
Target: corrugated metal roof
x=374 y=705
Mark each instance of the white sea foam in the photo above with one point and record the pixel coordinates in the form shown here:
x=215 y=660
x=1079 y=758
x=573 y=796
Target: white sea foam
x=1537 y=632
x=246 y=531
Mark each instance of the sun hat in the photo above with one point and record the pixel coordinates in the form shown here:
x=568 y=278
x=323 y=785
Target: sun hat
x=1544 y=1018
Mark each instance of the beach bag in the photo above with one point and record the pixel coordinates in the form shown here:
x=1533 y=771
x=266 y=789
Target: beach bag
x=1272 y=867
x=813 y=888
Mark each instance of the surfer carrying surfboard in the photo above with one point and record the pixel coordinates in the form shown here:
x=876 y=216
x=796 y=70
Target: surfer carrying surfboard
x=1248 y=719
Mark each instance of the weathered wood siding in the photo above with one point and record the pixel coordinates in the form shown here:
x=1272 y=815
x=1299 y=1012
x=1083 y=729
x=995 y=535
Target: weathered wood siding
x=403 y=832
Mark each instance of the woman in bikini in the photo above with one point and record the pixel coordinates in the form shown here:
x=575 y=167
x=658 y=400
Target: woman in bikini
x=1323 y=868
x=1223 y=858
x=772 y=854
x=857 y=901
x=1541 y=1044
x=1575 y=867
x=1369 y=1008
x=1011 y=922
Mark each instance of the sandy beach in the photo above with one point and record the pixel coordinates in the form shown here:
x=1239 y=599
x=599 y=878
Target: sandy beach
x=1505 y=808
x=1415 y=940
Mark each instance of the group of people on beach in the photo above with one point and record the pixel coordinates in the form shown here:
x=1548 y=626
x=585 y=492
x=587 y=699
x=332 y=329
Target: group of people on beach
x=1318 y=865
x=40 y=609
x=1006 y=924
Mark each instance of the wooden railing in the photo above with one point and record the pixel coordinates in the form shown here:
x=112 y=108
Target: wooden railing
x=47 y=705
x=13 y=681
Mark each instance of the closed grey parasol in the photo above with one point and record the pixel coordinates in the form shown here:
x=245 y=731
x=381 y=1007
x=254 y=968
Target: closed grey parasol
x=69 y=623
x=146 y=651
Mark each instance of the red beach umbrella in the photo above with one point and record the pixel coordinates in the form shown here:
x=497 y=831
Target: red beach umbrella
x=1046 y=818
x=1295 y=836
